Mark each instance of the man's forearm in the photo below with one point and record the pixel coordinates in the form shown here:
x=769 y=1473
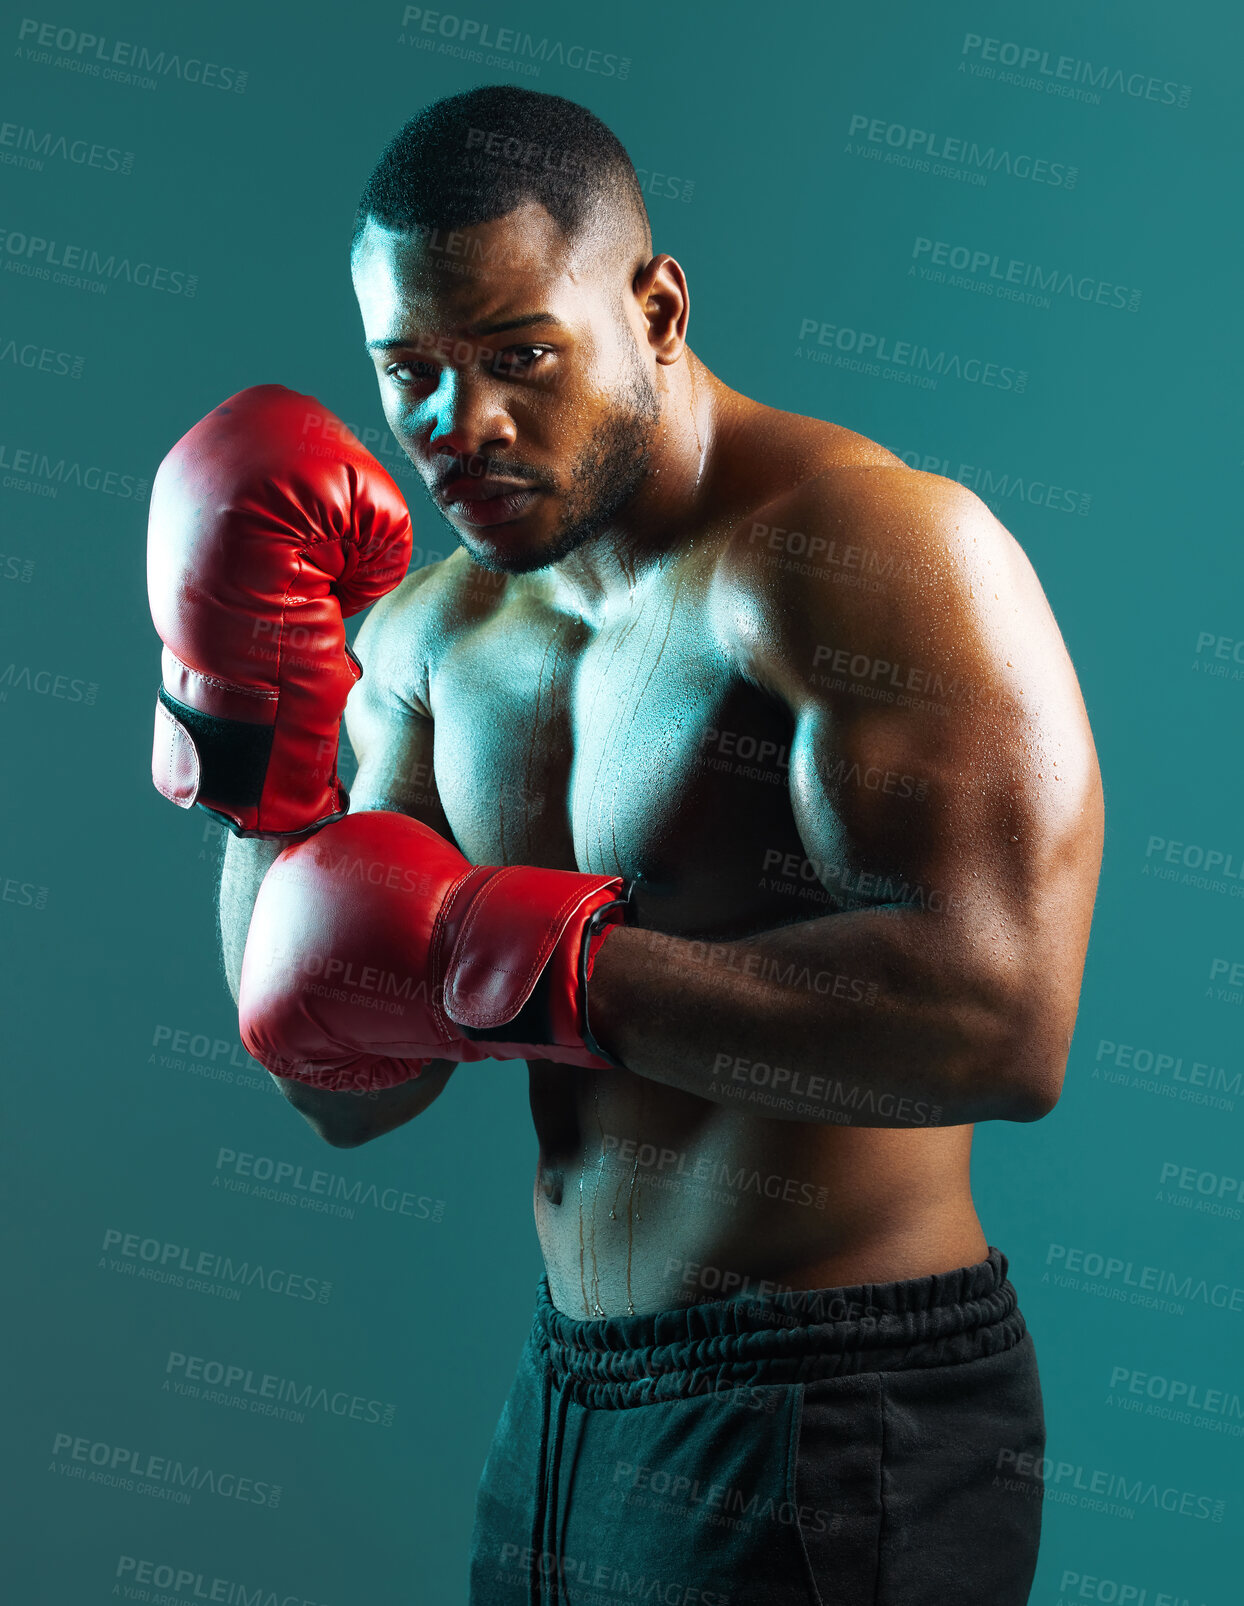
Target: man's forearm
x=347 y=1120
x=862 y=1019
x=247 y=860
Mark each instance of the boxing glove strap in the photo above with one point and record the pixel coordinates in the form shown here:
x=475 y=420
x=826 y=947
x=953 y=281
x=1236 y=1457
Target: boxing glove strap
x=220 y=764
x=534 y=1021
x=532 y=1024
x=617 y=913
x=232 y=755
x=512 y=920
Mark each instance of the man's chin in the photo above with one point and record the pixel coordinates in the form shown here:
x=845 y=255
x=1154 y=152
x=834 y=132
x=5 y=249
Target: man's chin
x=515 y=549
x=506 y=549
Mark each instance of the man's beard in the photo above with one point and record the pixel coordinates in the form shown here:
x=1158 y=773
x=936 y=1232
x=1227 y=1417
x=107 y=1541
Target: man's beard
x=605 y=476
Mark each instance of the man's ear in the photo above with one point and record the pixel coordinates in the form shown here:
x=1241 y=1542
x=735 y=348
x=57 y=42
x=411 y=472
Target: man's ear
x=665 y=303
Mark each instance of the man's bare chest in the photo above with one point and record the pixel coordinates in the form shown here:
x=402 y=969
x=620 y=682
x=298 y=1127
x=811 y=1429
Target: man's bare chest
x=637 y=750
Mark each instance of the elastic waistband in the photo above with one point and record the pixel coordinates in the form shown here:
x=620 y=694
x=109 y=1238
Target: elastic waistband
x=793 y=1337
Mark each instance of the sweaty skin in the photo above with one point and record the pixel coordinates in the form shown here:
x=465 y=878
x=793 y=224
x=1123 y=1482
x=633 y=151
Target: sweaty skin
x=812 y=703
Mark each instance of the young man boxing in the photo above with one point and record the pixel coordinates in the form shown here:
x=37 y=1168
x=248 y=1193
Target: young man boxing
x=733 y=775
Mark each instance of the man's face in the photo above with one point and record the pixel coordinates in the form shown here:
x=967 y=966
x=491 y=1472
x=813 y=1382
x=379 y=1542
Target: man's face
x=514 y=375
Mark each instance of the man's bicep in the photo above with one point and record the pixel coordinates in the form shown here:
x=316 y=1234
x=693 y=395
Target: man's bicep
x=950 y=767
x=940 y=740
x=391 y=736
x=897 y=807
x=393 y=745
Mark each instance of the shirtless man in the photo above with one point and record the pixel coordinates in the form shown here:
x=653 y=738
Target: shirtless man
x=800 y=724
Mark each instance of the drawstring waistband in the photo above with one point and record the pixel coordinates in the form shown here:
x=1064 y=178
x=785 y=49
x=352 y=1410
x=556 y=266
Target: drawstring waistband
x=798 y=1336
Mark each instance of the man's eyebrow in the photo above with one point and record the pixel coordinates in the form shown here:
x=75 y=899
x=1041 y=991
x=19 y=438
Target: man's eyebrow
x=498 y=328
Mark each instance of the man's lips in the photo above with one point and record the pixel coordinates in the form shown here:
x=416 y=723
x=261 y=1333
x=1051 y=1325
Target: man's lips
x=473 y=488
x=486 y=501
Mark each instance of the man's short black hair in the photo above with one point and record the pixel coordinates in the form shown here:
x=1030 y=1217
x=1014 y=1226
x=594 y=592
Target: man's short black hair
x=476 y=156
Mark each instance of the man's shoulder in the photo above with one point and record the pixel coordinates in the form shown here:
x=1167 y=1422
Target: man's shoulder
x=822 y=447
x=857 y=518
x=860 y=552
x=835 y=485
x=846 y=477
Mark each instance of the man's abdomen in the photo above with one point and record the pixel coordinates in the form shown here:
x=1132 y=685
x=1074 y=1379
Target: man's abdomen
x=648 y=1198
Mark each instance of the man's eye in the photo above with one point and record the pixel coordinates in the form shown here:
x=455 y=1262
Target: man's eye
x=518 y=360
x=409 y=373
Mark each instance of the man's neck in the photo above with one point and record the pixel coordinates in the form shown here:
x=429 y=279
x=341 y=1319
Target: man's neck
x=669 y=505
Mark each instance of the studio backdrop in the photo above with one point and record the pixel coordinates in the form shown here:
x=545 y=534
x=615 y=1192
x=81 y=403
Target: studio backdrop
x=1002 y=240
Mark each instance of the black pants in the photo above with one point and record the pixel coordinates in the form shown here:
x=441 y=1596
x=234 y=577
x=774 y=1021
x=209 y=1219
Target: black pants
x=834 y=1447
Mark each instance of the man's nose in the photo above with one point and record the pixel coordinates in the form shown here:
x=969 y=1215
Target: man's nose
x=468 y=417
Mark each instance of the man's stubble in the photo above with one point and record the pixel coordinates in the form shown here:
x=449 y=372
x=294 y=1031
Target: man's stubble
x=603 y=479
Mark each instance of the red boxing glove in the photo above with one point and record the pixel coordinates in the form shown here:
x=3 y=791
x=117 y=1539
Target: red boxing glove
x=375 y=946
x=269 y=524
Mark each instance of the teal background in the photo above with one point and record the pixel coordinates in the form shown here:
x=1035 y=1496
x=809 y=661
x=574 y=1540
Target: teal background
x=253 y=192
